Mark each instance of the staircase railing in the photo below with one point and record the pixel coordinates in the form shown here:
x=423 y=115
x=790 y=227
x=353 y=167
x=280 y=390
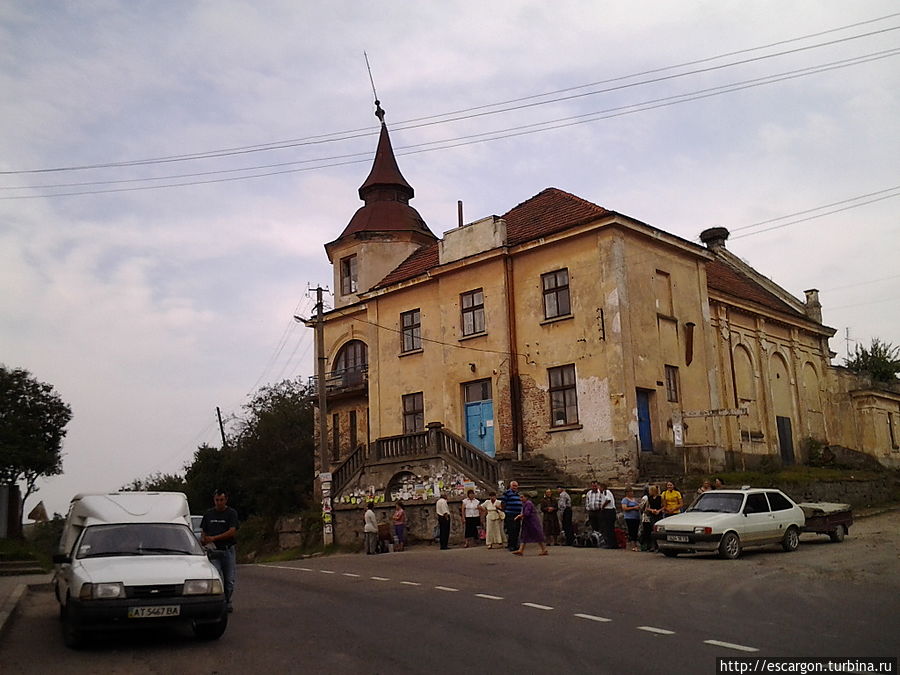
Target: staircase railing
x=484 y=467
x=405 y=445
x=435 y=440
x=342 y=473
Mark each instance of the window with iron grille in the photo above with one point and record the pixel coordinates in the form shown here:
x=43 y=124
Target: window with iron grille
x=413 y=413
x=672 y=384
x=556 y=293
x=563 y=396
x=348 y=275
x=411 y=331
x=472 y=304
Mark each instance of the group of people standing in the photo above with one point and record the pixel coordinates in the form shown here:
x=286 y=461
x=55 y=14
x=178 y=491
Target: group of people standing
x=514 y=520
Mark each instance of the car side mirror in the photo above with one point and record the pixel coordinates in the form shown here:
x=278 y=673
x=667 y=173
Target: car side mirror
x=215 y=554
x=61 y=559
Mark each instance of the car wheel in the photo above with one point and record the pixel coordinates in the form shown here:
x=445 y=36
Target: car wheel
x=838 y=534
x=791 y=540
x=72 y=635
x=669 y=554
x=730 y=546
x=211 y=631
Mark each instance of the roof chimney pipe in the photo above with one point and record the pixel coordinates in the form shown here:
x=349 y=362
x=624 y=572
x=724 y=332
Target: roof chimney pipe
x=714 y=237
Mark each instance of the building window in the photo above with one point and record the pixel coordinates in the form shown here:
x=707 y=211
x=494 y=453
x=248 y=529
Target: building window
x=335 y=437
x=892 y=431
x=672 y=384
x=353 y=433
x=477 y=391
x=413 y=413
x=662 y=284
x=411 y=330
x=556 y=293
x=348 y=275
x=472 y=304
x=563 y=398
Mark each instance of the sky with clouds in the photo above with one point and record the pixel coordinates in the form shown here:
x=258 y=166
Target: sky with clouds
x=170 y=171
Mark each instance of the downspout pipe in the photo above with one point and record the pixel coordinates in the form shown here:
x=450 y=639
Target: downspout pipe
x=514 y=382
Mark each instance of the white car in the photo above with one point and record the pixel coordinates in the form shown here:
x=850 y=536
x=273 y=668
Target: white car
x=726 y=521
x=130 y=560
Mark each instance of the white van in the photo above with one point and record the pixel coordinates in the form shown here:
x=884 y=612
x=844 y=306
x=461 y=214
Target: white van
x=130 y=559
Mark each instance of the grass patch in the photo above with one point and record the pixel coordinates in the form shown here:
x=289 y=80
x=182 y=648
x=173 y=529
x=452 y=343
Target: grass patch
x=794 y=475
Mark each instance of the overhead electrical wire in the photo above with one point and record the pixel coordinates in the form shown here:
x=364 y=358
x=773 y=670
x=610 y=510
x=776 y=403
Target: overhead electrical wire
x=477 y=111
x=820 y=215
x=366 y=156
x=481 y=137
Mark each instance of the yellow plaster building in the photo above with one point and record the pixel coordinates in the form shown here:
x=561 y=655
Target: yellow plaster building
x=565 y=329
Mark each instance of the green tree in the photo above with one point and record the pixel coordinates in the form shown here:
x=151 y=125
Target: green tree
x=157 y=482
x=266 y=465
x=880 y=361
x=274 y=450
x=33 y=421
x=212 y=469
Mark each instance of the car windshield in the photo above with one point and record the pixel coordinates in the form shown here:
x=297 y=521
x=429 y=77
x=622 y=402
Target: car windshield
x=138 y=539
x=710 y=502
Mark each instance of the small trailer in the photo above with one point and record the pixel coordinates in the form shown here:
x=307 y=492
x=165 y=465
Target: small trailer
x=828 y=518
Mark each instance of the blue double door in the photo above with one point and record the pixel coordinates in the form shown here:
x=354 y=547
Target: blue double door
x=479 y=415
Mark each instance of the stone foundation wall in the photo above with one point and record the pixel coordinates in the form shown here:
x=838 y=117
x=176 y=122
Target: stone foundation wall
x=420 y=522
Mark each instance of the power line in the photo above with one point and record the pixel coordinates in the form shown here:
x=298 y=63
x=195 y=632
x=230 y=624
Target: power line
x=827 y=213
x=479 y=111
x=470 y=139
x=817 y=208
x=860 y=283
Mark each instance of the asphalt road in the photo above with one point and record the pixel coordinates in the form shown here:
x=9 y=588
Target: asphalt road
x=465 y=611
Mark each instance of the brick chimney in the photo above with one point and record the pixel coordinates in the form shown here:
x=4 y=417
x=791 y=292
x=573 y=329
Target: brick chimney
x=813 y=306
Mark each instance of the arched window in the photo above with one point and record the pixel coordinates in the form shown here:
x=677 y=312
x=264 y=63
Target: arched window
x=351 y=363
x=745 y=380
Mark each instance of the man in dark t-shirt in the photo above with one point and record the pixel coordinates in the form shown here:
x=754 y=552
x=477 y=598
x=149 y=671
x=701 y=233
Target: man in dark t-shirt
x=219 y=527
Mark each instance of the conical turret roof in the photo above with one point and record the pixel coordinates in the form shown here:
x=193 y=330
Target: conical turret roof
x=386 y=194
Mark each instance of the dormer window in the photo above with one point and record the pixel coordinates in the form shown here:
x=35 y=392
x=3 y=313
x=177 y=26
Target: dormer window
x=348 y=275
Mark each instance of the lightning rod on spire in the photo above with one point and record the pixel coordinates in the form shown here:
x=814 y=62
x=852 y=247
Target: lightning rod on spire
x=379 y=111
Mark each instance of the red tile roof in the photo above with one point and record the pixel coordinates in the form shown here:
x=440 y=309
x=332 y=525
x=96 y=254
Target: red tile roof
x=726 y=279
x=551 y=210
x=417 y=263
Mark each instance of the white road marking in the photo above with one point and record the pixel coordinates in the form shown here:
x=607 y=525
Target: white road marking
x=446 y=588
x=379 y=578
x=327 y=571
x=591 y=617
x=536 y=606
x=658 y=631
x=411 y=583
x=731 y=645
x=350 y=574
x=488 y=597
x=303 y=569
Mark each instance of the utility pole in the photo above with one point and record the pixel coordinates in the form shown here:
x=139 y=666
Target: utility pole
x=221 y=427
x=320 y=380
x=324 y=474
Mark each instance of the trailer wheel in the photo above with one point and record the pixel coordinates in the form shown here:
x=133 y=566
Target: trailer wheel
x=837 y=535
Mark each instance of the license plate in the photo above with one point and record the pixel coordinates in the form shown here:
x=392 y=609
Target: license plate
x=678 y=537
x=153 y=611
